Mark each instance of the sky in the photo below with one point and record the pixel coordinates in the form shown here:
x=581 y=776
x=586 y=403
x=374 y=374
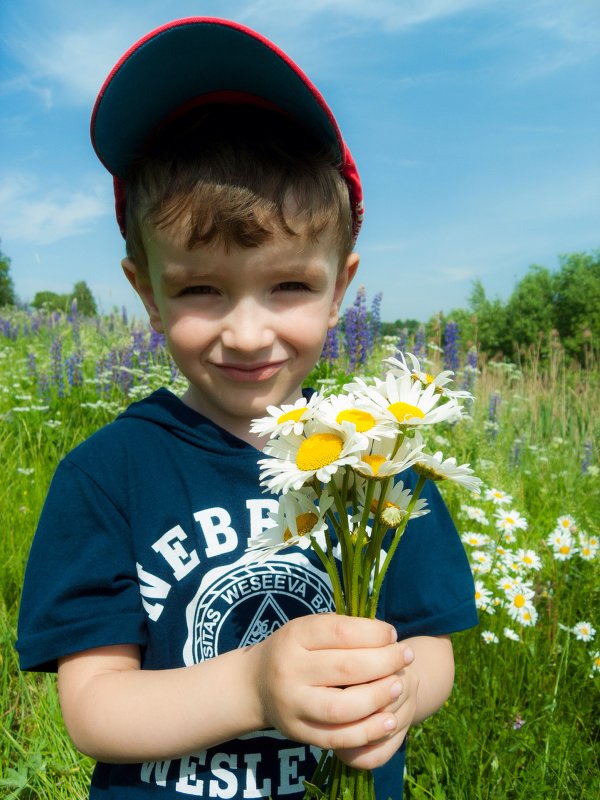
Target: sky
x=475 y=125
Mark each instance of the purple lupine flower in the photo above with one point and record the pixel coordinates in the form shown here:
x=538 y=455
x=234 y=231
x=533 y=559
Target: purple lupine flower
x=516 y=452
x=74 y=365
x=31 y=361
x=124 y=319
x=57 y=366
x=588 y=455
x=331 y=346
x=451 y=346
x=470 y=370
x=356 y=330
x=420 y=348
x=402 y=342
x=492 y=423
x=375 y=326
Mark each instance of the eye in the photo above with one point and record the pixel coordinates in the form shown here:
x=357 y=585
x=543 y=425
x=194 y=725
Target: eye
x=293 y=286
x=197 y=290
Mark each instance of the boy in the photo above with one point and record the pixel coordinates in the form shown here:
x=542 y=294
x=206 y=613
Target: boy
x=185 y=667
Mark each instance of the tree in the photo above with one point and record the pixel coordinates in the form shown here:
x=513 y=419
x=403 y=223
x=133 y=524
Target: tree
x=7 y=291
x=86 y=304
x=577 y=301
x=51 y=301
x=489 y=321
x=530 y=310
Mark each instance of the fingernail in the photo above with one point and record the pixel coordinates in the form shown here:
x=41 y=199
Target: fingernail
x=409 y=656
x=396 y=689
x=393 y=635
x=390 y=724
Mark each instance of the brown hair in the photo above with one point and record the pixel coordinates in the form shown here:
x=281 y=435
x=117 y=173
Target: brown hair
x=236 y=175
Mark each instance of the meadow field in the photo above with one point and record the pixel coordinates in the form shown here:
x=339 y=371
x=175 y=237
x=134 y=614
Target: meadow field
x=522 y=722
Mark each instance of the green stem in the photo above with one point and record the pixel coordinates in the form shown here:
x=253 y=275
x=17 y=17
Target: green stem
x=338 y=593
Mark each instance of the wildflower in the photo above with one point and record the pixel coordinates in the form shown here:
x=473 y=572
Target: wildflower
x=509 y=521
x=25 y=470
x=436 y=469
x=289 y=418
x=407 y=403
x=475 y=539
x=519 y=604
x=595 y=662
x=380 y=461
x=400 y=366
x=365 y=417
x=518 y=721
x=563 y=545
x=395 y=505
x=528 y=558
x=497 y=496
x=296 y=460
x=588 y=546
x=481 y=562
x=584 y=631
x=483 y=597
x=489 y=637
x=509 y=633
x=566 y=523
x=297 y=519
x=476 y=514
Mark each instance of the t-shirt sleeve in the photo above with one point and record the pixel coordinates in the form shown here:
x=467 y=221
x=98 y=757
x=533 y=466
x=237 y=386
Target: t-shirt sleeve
x=429 y=589
x=80 y=589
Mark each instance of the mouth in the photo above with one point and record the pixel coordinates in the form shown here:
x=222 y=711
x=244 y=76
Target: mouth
x=250 y=372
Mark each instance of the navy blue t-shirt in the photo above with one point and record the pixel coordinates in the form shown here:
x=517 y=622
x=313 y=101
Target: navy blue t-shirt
x=142 y=540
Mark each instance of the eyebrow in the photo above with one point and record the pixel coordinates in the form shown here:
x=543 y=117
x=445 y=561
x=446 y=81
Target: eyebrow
x=173 y=274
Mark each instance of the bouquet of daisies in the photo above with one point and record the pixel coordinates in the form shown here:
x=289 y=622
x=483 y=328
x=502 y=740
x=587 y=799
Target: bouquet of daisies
x=336 y=461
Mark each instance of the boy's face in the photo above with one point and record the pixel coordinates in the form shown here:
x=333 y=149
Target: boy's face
x=246 y=326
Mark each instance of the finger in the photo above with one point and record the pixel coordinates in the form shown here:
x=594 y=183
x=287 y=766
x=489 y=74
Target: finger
x=350 y=667
x=336 y=706
x=324 y=631
x=368 y=731
x=373 y=755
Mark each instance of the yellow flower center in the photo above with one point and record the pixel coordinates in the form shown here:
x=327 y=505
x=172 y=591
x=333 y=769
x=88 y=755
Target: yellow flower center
x=527 y=559
x=519 y=600
x=374 y=462
x=565 y=549
x=509 y=520
x=526 y=616
x=362 y=420
x=477 y=595
x=318 y=450
x=291 y=416
x=304 y=524
x=405 y=411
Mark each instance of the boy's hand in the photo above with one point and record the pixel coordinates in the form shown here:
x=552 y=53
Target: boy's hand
x=336 y=682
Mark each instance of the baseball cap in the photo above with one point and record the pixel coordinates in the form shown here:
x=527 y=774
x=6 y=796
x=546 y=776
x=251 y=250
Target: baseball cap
x=198 y=59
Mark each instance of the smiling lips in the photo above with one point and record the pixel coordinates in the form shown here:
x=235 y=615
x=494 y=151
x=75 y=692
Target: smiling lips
x=249 y=373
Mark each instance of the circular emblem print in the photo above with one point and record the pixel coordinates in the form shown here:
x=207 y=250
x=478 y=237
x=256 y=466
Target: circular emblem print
x=243 y=603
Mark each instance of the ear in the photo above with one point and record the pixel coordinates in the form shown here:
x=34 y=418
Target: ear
x=140 y=280
x=344 y=279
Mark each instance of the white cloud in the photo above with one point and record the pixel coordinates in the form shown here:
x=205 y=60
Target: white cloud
x=40 y=218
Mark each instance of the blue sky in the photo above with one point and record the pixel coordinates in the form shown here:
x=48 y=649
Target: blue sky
x=475 y=125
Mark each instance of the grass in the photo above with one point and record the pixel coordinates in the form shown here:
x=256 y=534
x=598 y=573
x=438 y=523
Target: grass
x=522 y=721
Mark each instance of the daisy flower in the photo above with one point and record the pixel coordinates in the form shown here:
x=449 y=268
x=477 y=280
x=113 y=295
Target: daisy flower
x=489 y=637
x=475 y=539
x=595 y=661
x=497 y=496
x=566 y=523
x=507 y=583
x=366 y=418
x=588 y=546
x=287 y=418
x=476 y=514
x=296 y=460
x=379 y=462
x=297 y=519
x=584 y=631
x=483 y=597
x=399 y=366
x=481 y=562
x=563 y=545
x=436 y=469
x=509 y=521
x=395 y=504
x=519 y=604
x=509 y=633
x=407 y=403
x=528 y=558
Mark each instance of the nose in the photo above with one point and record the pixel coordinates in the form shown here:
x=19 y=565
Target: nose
x=248 y=327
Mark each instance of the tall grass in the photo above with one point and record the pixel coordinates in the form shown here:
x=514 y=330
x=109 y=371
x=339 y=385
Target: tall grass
x=522 y=721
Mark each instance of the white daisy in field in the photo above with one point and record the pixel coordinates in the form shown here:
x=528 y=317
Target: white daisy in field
x=400 y=366
x=379 y=461
x=366 y=417
x=395 y=505
x=508 y=537
x=566 y=523
x=481 y=562
x=563 y=545
x=436 y=468
x=519 y=604
x=507 y=583
x=595 y=661
x=406 y=403
x=476 y=514
x=588 y=546
x=297 y=519
x=509 y=633
x=528 y=559
x=320 y=452
x=489 y=637
x=584 y=631
x=483 y=597
x=287 y=418
x=497 y=496
x=475 y=539
x=509 y=521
